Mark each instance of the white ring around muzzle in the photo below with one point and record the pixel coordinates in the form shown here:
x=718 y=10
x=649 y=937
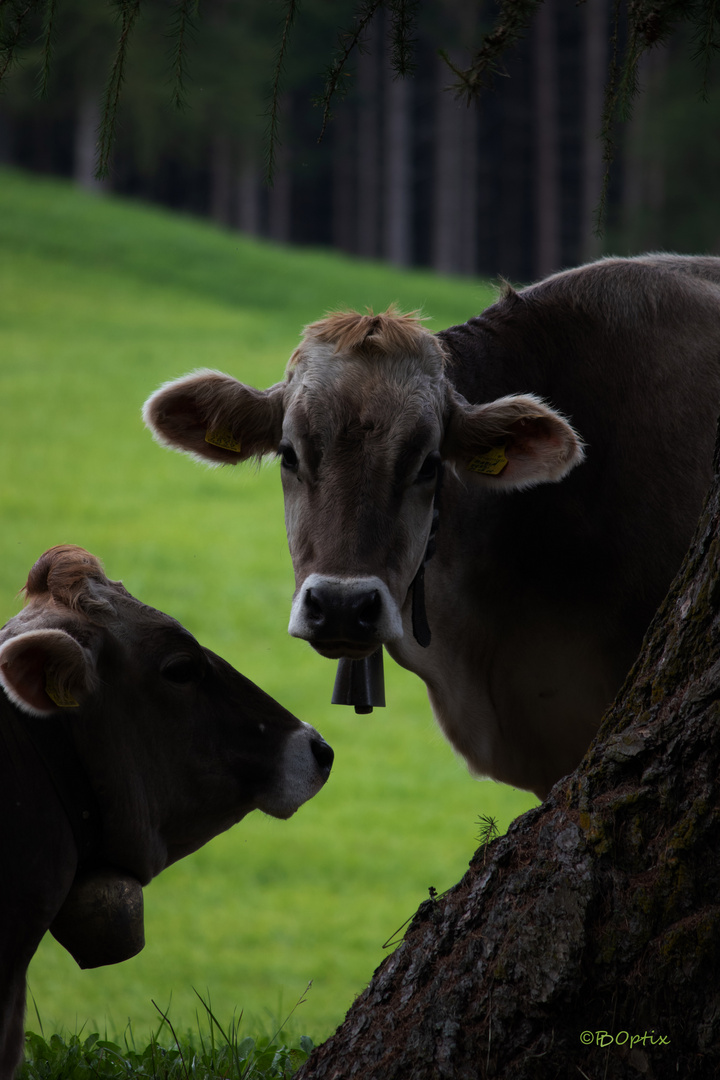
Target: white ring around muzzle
x=388 y=626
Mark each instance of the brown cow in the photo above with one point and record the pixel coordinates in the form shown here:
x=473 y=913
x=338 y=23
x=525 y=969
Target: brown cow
x=540 y=592
x=126 y=745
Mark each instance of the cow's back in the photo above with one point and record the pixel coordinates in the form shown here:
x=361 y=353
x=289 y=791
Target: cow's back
x=629 y=351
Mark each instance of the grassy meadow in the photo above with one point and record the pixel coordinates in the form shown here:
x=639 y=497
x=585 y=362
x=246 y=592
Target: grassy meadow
x=100 y=302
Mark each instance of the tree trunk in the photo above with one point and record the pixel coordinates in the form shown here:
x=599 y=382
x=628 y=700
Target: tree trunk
x=85 y=150
x=397 y=167
x=595 y=59
x=344 y=182
x=547 y=208
x=221 y=177
x=644 y=187
x=455 y=219
x=280 y=194
x=248 y=188
x=586 y=942
x=368 y=146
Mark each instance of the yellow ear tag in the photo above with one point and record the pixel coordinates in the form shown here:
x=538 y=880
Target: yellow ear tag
x=224 y=438
x=490 y=463
x=61 y=697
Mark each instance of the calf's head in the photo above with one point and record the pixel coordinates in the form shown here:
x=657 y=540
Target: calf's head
x=362 y=422
x=177 y=745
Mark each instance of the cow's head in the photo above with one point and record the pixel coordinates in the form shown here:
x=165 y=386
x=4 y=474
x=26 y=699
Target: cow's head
x=177 y=744
x=362 y=422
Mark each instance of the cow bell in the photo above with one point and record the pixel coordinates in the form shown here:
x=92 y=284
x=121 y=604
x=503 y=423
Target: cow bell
x=101 y=921
x=360 y=683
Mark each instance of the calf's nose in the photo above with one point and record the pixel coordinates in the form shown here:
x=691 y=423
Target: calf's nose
x=349 y=614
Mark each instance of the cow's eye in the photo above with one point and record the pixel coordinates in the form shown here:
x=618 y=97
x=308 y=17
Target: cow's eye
x=183 y=669
x=288 y=456
x=428 y=469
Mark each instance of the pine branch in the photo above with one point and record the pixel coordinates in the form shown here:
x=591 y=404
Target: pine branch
x=403 y=14
x=273 y=137
x=184 y=28
x=649 y=23
x=512 y=22
x=706 y=41
x=47 y=46
x=607 y=122
x=15 y=13
x=129 y=11
x=348 y=41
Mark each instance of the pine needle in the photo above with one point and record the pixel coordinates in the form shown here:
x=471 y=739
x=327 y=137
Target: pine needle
x=129 y=11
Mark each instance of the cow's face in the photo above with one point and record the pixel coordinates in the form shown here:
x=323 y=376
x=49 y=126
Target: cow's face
x=362 y=424
x=360 y=461
x=178 y=745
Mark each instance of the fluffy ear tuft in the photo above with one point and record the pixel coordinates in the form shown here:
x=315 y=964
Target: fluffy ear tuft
x=215 y=418
x=44 y=670
x=514 y=442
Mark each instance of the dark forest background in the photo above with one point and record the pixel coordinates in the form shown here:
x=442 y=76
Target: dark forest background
x=405 y=172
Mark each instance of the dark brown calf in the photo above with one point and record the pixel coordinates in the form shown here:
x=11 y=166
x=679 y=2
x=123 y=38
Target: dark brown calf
x=124 y=746
x=576 y=421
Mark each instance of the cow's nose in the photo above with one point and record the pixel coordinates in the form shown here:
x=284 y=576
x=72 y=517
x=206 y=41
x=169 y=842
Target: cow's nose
x=324 y=755
x=349 y=615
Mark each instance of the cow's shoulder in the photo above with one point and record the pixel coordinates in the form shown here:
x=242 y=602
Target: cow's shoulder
x=584 y=324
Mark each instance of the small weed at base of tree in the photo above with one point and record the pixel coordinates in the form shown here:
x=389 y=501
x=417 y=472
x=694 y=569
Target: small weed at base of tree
x=489 y=831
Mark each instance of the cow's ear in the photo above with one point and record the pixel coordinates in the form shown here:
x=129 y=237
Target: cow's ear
x=215 y=418
x=512 y=442
x=43 y=671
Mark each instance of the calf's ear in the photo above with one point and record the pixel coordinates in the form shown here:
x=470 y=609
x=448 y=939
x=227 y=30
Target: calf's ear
x=42 y=671
x=215 y=418
x=512 y=442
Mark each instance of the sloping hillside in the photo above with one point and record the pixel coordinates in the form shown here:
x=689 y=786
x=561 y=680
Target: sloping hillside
x=100 y=302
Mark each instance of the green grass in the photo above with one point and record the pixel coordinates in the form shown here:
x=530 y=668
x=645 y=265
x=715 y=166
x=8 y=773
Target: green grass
x=214 y=1049
x=100 y=302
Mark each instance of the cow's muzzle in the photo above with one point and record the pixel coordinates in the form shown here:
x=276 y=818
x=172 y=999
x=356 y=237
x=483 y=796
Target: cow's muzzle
x=305 y=766
x=345 y=617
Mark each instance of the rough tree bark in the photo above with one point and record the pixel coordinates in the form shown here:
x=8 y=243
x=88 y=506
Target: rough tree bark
x=586 y=942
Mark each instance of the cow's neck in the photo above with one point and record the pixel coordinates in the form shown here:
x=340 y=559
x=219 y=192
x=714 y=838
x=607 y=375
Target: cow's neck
x=420 y=626
x=52 y=741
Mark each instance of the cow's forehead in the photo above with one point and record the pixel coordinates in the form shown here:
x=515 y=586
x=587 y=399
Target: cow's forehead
x=421 y=357
x=326 y=390
x=111 y=608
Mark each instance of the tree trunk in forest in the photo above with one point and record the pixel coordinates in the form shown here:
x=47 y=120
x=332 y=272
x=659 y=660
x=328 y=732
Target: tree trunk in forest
x=368 y=145
x=547 y=208
x=515 y=189
x=397 y=163
x=644 y=188
x=595 y=58
x=279 y=202
x=344 y=183
x=221 y=179
x=586 y=942
x=248 y=188
x=455 y=202
x=85 y=150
